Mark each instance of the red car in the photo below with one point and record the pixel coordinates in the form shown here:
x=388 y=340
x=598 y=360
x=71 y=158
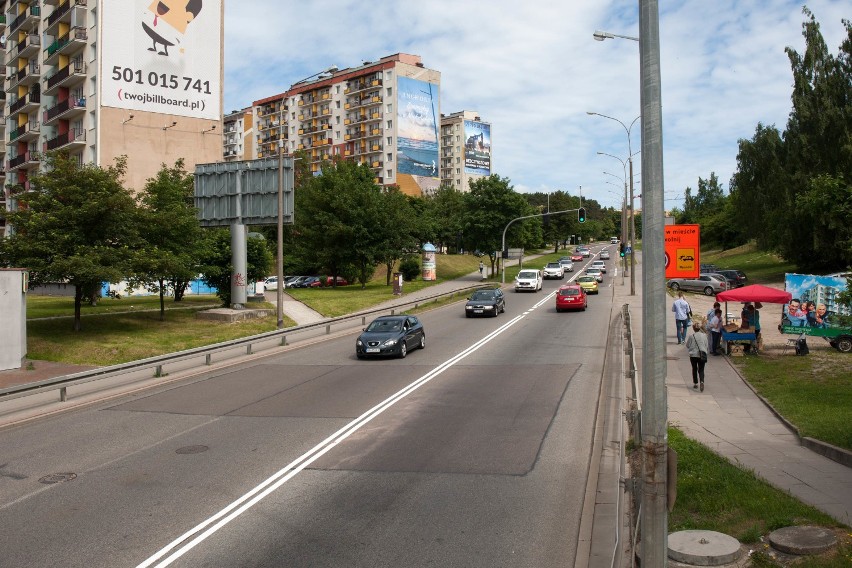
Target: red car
x=576 y=257
x=571 y=297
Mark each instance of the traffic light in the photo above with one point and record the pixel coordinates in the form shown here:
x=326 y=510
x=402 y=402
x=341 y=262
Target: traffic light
x=581 y=214
x=621 y=249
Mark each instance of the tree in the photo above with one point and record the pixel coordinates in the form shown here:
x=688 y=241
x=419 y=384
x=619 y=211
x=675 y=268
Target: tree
x=169 y=227
x=75 y=225
x=216 y=258
x=396 y=230
x=442 y=218
x=488 y=208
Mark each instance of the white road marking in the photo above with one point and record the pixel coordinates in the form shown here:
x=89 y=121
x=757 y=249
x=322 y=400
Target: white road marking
x=209 y=526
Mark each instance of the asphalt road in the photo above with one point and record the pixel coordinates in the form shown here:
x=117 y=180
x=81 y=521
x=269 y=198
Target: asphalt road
x=472 y=452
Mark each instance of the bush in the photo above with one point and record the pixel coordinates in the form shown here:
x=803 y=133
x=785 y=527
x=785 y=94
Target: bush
x=410 y=268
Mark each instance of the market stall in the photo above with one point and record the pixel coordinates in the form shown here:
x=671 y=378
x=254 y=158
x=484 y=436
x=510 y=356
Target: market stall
x=756 y=294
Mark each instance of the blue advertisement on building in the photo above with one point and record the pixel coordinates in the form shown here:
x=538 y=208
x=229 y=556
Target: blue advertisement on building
x=477 y=148
x=417 y=139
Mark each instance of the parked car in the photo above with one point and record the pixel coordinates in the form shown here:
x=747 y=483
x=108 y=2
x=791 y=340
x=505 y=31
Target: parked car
x=296 y=282
x=709 y=284
x=600 y=265
x=571 y=297
x=736 y=278
x=596 y=272
x=488 y=302
x=528 y=280
x=270 y=284
x=305 y=282
x=341 y=281
x=390 y=335
x=567 y=264
x=605 y=254
x=707 y=268
x=588 y=283
x=553 y=270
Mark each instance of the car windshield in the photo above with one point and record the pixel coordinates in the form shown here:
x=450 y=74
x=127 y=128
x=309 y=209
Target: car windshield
x=526 y=274
x=552 y=265
x=483 y=295
x=385 y=325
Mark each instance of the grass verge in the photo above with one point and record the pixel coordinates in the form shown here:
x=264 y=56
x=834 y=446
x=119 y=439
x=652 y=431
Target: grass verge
x=63 y=306
x=760 y=267
x=714 y=494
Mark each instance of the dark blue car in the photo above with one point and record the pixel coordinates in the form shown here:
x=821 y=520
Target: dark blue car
x=390 y=336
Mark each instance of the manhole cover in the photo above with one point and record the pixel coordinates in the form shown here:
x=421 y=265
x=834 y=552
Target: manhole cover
x=57 y=478
x=191 y=450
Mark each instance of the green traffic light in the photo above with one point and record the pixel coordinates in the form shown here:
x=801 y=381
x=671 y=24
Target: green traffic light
x=581 y=215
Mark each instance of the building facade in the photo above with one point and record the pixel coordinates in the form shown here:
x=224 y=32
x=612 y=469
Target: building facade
x=465 y=149
x=97 y=79
x=238 y=140
x=384 y=114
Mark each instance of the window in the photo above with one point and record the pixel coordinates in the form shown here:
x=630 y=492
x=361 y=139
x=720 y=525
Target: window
x=389 y=73
x=390 y=108
x=390 y=91
x=337 y=104
x=390 y=140
x=458 y=159
x=458 y=171
x=390 y=124
x=337 y=92
x=458 y=182
x=458 y=149
x=390 y=157
x=389 y=173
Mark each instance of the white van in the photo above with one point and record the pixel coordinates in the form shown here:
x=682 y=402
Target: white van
x=529 y=280
x=613 y=241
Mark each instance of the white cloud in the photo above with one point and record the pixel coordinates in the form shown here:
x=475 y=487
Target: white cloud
x=533 y=70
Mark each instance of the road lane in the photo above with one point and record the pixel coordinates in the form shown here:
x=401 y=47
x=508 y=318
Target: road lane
x=478 y=466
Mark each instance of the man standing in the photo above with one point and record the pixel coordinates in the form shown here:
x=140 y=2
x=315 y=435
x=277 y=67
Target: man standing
x=681 y=310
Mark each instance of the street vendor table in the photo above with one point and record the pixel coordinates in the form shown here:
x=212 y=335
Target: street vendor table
x=732 y=337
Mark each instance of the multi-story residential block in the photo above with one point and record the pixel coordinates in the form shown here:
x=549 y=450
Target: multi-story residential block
x=384 y=114
x=95 y=79
x=238 y=140
x=465 y=149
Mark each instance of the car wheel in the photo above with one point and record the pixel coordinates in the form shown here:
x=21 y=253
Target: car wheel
x=403 y=351
x=708 y=291
x=503 y=309
x=423 y=341
x=844 y=344
x=674 y=286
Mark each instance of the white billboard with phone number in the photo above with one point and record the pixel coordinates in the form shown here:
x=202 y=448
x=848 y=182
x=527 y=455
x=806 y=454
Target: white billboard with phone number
x=162 y=56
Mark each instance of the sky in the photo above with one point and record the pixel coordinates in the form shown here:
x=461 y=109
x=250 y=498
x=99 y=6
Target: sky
x=534 y=71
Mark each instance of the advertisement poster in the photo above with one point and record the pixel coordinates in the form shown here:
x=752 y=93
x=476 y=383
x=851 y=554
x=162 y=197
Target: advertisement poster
x=477 y=148
x=813 y=309
x=162 y=56
x=417 y=138
x=682 y=251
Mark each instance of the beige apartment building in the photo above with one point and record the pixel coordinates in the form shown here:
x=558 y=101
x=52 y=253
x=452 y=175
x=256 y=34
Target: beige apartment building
x=465 y=149
x=238 y=140
x=105 y=78
x=381 y=113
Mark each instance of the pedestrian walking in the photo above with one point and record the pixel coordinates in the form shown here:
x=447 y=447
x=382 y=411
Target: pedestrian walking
x=697 y=347
x=481 y=270
x=683 y=313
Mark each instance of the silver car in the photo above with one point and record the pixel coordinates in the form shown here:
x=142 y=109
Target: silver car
x=553 y=270
x=567 y=264
x=709 y=284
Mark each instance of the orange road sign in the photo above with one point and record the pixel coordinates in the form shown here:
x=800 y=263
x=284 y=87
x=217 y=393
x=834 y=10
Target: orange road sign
x=682 y=251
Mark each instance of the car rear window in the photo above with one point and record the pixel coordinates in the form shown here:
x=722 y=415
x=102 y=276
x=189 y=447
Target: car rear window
x=569 y=292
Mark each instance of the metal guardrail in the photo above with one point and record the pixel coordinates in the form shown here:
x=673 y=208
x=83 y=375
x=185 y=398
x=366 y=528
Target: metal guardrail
x=229 y=350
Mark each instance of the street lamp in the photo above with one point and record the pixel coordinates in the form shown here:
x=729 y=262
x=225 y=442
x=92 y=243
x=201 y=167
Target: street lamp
x=600 y=36
x=332 y=69
x=630 y=155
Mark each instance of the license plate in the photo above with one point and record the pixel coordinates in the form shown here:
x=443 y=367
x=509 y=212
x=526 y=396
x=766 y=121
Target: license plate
x=477 y=311
x=373 y=350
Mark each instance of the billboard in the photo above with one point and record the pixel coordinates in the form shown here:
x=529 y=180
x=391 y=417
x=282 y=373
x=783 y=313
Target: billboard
x=417 y=135
x=682 y=251
x=162 y=56
x=477 y=148
x=814 y=307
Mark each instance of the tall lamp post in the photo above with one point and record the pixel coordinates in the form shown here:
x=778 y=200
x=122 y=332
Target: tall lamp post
x=630 y=155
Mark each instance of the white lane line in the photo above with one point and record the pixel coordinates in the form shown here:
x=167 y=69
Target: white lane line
x=276 y=480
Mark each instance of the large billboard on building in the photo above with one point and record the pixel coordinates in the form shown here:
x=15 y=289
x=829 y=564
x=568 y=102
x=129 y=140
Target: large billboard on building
x=417 y=134
x=477 y=148
x=162 y=56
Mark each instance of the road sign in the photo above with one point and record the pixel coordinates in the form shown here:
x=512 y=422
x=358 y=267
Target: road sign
x=682 y=250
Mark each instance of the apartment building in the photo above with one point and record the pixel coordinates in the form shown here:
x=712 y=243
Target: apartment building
x=97 y=79
x=238 y=140
x=384 y=114
x=465 y=149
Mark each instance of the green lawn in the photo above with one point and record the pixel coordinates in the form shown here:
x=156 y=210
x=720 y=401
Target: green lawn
x=760 y=267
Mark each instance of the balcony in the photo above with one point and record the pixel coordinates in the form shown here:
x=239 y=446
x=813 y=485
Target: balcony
x=28 y=131
x=74 y=138
x=25 y=48
x=72 y=74
x=28 y=20
x=72 y=12
x=26 y=161
x=25 y=104
x=68 y=44
x=64 y=110
x=26 y=75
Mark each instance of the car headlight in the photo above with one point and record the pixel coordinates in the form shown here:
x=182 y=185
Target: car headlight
x=359 y=343
x=389 y=343
x=488 y=307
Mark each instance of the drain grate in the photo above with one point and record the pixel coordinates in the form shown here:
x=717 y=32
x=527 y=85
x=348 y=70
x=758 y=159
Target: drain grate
x=192 y=450
x=57 y=478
